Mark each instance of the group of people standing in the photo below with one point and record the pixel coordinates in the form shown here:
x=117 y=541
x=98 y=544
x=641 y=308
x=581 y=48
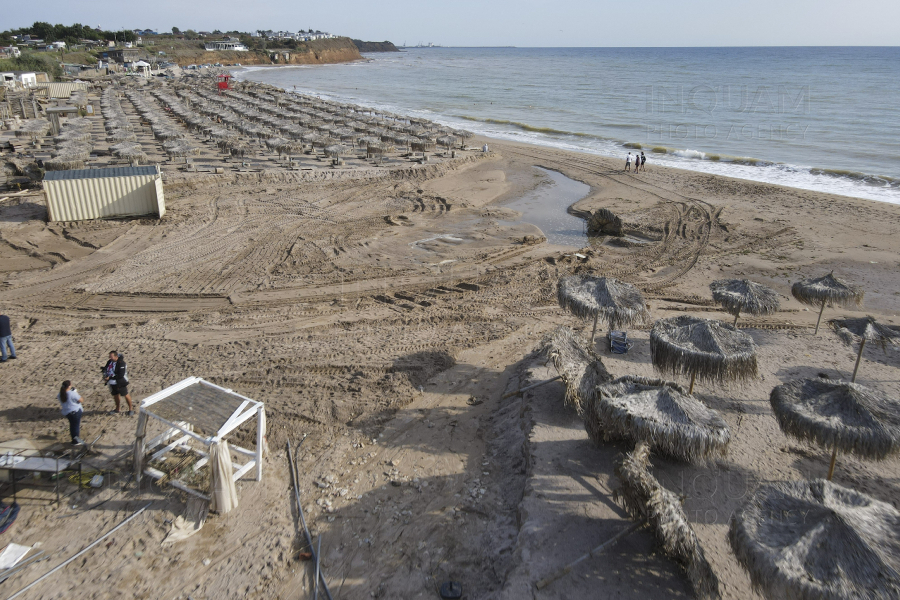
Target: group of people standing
x=639 y=160
x=115 y=375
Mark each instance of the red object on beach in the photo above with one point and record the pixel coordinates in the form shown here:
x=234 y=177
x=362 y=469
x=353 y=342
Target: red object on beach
x=222 y=81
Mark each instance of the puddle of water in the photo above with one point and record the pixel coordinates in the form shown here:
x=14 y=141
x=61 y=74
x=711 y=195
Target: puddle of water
x=443 y=236
x=545 y=207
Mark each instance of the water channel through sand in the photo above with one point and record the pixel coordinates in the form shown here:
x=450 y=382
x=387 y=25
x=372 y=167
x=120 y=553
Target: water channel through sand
x=546 y=207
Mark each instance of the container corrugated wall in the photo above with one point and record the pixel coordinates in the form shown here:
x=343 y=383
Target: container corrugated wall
x=62 y=89
x=96 y=198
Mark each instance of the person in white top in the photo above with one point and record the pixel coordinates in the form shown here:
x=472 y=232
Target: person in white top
x=628 y=162
x=71 y=407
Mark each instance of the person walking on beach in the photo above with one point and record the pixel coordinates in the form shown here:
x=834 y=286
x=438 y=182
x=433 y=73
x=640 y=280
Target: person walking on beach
x=70 y=406
x=628 y=162
x=6 y=339
x=643 y=160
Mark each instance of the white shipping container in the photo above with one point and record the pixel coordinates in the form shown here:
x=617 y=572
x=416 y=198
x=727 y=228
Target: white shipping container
x=86 y=194
x=62 y=89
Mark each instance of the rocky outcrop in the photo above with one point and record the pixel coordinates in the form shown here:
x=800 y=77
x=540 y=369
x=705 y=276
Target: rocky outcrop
x=375 y=46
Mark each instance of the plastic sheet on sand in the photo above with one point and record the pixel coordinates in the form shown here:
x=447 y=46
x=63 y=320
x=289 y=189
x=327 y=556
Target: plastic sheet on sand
x=190 y=522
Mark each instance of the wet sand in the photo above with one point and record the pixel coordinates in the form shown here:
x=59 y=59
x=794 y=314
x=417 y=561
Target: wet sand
x=382 y=313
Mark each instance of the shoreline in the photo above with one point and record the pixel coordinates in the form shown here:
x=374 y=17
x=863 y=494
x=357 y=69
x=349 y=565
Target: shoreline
x=813 y=169
x=381 y=313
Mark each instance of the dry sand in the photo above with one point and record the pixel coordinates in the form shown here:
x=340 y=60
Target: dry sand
x=391 y=356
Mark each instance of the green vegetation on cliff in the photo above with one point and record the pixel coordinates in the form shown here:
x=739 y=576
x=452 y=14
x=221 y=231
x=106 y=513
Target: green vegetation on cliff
x=375 y=46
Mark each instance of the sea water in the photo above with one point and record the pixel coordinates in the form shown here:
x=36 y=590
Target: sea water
x=823 y=119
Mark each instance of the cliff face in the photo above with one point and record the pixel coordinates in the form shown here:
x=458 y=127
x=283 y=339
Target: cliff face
x=375 y=46
x=335 y=50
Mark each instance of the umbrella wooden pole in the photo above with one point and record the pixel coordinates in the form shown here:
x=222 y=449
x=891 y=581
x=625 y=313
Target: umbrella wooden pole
x=594 y=331
x=530 y=387
x=608 y=543
x=819 y=320
x=862 y=345
x=735 y=320
x=693 y=376
x=831 y=468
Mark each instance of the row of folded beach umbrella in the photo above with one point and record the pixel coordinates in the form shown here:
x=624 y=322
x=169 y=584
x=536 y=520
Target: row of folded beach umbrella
x=849 y=541
x=290 y=123
x=73 y=145
x=168 y=133
x=119 y=130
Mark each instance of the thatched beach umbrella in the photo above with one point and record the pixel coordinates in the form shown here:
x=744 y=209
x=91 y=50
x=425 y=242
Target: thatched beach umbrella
x=463 y=135
x=421 y=145
x=63 y=163
x=290 y=147
x=660 y=413
x=72 y=135
x=645 y=498
x=704 y=348
x=737 y=295
x=335 y=151
x=813 y=540
x=129 y=151
x=73 y=152
x=827 y=290
x=581 y=370
x=275 y=143
x=447 y=141
x=617 y=303
x=862 y=330
x=180 y=148
x=120 y=135
x=33 y=128
x=79 y=123
x=841 y=415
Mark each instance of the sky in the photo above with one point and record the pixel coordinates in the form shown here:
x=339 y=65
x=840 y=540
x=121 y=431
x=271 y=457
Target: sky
x=544 y=23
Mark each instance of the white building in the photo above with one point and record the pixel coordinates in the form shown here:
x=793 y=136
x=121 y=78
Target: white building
x=225 y=45
x=14 y=79
x=10 y=51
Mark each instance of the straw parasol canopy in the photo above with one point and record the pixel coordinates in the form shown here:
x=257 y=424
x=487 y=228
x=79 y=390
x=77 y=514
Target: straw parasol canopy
x=619 y=304
x=120 y=135
x=72 y=135
x=845 y=416
x=660 y=413
x=581 y=370
x=289 y=147
x=33 y=128
x=810 y=540
x=736 y=295
x=335 y=151
x=79 y=123
x=73 y=151
x=421 y=145
x=447 y=141
x=862 y=330
x=710 y=350
x=827 y=290
x=180 y=148
x=63 y=163
x=645 y=498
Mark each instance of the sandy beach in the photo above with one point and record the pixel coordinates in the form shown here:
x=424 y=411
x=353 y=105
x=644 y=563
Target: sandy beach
x=380 y=312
